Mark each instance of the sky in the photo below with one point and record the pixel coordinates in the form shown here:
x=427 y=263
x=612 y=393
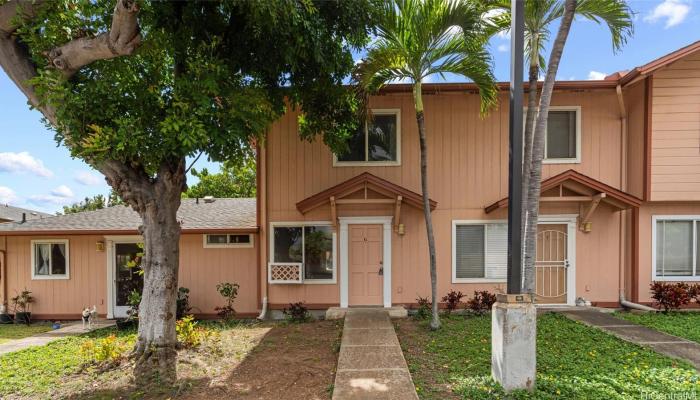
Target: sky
x=37 y=174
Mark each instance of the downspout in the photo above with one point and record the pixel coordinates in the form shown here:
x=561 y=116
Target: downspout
x=3 y=275
x=261 y=208
x=623 y=216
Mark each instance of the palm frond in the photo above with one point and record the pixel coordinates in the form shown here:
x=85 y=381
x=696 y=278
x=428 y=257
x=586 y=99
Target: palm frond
x=616 y=14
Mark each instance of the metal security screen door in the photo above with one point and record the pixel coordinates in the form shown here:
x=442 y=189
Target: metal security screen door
x=551 y=266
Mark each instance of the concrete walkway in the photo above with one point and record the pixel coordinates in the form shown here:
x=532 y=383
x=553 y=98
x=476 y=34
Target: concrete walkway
x=68 y=329
x=371 y=363
x=663 y=343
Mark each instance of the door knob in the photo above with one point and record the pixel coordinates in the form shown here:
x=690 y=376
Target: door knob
x=381 y=271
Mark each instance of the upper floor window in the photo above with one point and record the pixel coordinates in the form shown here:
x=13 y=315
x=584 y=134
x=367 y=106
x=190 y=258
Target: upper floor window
x=676 y=248
x=377 y=143
x=50 y=259
x=563 y=141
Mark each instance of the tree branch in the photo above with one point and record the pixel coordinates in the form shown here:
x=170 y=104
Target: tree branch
x=121 y=40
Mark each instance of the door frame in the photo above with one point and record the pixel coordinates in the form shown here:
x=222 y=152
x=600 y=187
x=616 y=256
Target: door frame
x=570 y=222
x=111 y=268
x=344 y=254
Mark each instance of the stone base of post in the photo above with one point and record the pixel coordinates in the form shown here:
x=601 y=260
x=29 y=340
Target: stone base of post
x=513 y=342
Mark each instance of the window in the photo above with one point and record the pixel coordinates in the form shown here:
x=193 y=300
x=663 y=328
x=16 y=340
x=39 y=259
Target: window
x=676 y=248
x=311 y=245
x=563 y=139
x=479 y=251
x=50 y=259
x=378 y=142
x=228 y=240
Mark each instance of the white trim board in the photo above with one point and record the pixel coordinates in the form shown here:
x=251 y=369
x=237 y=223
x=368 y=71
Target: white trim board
x=344 y=255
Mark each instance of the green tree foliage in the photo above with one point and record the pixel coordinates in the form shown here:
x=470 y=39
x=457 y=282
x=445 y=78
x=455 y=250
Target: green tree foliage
x=236 y=179
x=93 y=203
x=133 y=87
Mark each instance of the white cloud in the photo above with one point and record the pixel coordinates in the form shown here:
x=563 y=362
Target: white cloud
x=673 y=11
x=7 y=195
x=87 y=178
x=23 y=162
x=503 y=48
x=596 y=76
x=62 y=191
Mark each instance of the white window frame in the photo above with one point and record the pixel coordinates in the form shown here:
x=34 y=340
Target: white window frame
x=485 y=223
x=378 y=111
x=577 y=159
x=208 y=245
x=32 y=248
x=696 y=267
x=302 y=224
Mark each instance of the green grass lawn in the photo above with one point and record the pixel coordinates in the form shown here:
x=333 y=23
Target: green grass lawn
x=574 y=362
x=681 y=324
x=18 y=331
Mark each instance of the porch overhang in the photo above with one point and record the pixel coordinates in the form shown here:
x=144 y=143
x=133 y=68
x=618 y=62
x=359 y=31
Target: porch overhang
x=586 y=191
x=336 y=195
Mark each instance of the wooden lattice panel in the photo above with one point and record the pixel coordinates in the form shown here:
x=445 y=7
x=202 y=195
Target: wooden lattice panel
x=285 y=273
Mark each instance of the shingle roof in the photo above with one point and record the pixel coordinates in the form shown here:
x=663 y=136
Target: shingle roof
x=220 y=214
x=10 y=213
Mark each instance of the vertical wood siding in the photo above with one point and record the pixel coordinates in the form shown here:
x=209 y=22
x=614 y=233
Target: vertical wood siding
x=675 y=163
x=468 y=160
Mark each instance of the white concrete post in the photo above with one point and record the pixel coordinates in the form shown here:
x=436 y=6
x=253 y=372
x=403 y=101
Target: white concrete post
x=513 y=342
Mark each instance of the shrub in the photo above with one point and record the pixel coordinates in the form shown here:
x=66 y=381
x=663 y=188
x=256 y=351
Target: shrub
x=107 y=350
x=229 y=291
x=482 y=302
x=694 y=292
x=297 y=312
x=670 y=296
x=134 y=301
x=452 y=300
x=182 y=303
x=189 y=334
x=424 y=310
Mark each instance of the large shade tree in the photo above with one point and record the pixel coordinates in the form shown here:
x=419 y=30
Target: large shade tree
x=417 y=39
x=539 y=17
x=134 y=87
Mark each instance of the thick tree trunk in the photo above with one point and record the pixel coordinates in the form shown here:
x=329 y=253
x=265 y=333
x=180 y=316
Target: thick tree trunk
x=528 y=285
x=535 y=184
x=420 y=119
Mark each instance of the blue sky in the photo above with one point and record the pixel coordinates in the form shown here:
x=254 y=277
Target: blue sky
x=36 y=174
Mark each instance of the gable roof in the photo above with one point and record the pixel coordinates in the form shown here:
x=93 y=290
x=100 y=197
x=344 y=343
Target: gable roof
x=613 y=195
x=660 y=62
x=353 y=184
x=196 y=216
x=10 y=213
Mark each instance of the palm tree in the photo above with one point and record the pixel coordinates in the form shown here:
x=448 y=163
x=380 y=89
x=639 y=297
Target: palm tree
x=539 y=15
x=417 y=39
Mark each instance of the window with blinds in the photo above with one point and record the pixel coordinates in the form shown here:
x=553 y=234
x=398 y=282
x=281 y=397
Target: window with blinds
x=480 y=251
x=676 y=248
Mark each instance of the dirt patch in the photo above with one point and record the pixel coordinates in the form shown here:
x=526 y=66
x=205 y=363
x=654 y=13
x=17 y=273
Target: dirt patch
x=425 y=367
x=260 y=361
x=295 y=361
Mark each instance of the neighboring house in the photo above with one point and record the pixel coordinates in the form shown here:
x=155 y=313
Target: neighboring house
x=9 y=213
x=620 y=207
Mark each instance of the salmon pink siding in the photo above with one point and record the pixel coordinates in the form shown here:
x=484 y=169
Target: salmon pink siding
x=200 y=270
x=468 y=159
x=675 y=135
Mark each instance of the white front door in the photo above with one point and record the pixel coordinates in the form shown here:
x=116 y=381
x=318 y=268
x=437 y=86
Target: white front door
x=125 y=273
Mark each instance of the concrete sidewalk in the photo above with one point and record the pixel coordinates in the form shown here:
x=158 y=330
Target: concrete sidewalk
x=371 y=364
x=663 y=343
x=68 y=329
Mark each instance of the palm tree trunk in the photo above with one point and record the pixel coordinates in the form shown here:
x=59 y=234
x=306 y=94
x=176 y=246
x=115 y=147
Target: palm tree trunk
x=535 y=184
x=528 y=285
x=420 y=119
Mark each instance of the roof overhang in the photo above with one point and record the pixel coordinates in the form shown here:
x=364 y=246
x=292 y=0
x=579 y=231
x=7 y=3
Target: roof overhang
x=107 y=232
x=360 y=182
x=587 y=187
x=651 y=67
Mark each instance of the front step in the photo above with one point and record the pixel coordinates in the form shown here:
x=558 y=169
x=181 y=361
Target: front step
x=339 y=312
